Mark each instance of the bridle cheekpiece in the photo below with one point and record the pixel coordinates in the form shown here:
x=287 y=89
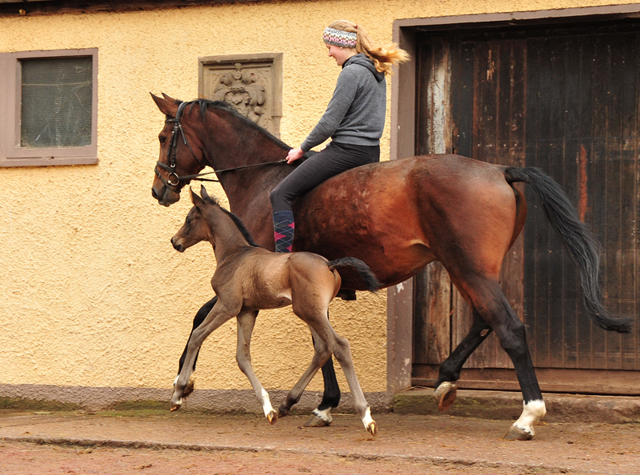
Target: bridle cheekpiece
x=173 y=179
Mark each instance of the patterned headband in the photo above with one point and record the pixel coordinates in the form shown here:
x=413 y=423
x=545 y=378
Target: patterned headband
x=340 y=38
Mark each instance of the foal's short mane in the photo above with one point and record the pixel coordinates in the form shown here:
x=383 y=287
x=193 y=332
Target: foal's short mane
x=204 y=104
x=238 y=222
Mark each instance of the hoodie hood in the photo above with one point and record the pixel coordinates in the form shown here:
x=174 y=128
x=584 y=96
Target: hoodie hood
x=362 y=60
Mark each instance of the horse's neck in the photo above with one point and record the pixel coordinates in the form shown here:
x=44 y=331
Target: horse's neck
x=248 y=189
x=227 y=239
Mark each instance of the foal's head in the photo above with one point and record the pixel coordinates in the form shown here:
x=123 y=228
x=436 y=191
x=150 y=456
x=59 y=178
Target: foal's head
x=207 y=221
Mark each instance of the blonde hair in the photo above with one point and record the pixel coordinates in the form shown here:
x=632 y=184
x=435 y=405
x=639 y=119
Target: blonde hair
x=383 y=57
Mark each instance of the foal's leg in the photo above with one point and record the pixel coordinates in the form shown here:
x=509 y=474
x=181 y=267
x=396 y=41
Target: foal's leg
x=216 y=318
x=494 y=308
x=341 y=349
x=320 y=356
x=246 y=322
x=321 y=416
x=198 y=319
x=449 y=373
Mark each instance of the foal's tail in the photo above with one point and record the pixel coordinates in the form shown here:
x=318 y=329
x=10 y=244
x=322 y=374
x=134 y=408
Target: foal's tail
x=363 y=269
x=577 y=239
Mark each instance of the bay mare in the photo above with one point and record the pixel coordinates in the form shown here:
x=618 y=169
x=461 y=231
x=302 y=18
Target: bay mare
x=397 y=217
x=248 y=279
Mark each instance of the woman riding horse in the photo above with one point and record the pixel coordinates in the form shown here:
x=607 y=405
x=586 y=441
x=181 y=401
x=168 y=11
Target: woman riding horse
x=354 y=120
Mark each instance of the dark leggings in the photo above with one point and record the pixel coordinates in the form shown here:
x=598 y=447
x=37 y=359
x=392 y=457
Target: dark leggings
x=334 y=159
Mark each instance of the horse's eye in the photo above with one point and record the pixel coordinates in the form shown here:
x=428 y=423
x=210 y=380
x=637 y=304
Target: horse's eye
x=162 y=139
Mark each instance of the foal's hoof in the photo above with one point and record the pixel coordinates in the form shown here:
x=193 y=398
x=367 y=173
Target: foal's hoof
x=175 y=406
x=445 y=395
x=518 y=433
x=189 y=388
x=272 y=417
x=315 y=421
x=372 y=428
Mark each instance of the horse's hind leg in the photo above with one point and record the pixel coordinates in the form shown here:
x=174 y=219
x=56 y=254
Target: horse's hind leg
x=449 y=372
x=320 y=356
x=246 y=322
x=341 y=349
x=494 y=308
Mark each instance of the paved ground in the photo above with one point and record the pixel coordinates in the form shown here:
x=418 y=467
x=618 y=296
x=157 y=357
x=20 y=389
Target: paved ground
x=159 y=442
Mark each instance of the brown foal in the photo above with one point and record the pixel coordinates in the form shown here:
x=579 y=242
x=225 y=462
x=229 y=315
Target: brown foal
x=249 y=278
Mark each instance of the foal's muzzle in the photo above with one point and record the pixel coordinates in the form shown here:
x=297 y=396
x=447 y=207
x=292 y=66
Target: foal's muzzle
x=176 y=245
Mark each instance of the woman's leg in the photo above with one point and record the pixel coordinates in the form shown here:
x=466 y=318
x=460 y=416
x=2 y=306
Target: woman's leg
x=334 y=159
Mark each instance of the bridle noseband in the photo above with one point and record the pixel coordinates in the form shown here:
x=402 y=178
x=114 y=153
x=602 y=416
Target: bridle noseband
x=173 y=179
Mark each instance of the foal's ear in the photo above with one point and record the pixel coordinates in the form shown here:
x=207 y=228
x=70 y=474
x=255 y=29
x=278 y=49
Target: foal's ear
x=204 y=194
x=168 y=105
x=195 y=199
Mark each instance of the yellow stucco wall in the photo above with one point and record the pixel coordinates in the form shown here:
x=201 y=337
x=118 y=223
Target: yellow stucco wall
x=91 y=291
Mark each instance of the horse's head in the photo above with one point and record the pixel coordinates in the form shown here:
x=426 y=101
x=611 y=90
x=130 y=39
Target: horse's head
x=195 y=228
x=179 y=156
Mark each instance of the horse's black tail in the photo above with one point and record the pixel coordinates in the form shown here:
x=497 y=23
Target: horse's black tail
x=363 y=269
x=577 y=239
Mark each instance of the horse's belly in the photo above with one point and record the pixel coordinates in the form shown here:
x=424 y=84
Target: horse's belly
x=262 y=301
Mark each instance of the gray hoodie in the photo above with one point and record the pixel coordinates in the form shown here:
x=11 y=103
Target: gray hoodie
x=356 y=113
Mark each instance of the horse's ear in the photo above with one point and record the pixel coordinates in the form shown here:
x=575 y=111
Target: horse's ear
x=195 y=199
x=203 y=192
x=168 y=106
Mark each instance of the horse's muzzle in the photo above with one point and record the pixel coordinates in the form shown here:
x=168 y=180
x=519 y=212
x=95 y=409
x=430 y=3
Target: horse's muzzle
x=165 y=196
x=176 y=245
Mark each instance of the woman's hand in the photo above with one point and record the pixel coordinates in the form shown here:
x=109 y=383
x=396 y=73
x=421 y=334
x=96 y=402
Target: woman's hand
x=294 y=154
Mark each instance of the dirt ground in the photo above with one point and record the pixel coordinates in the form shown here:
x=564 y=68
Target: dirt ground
x=156 y=442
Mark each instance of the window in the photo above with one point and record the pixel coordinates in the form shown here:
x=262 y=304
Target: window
x=48 y=100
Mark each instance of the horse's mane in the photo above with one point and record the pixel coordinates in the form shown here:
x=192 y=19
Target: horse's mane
x=238 y=222
x=204 y=105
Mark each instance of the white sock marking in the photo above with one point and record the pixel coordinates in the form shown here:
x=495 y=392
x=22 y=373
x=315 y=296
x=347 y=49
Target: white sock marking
x=367 y=419
x=325 y=414
x=266 y=403
x=532 y=412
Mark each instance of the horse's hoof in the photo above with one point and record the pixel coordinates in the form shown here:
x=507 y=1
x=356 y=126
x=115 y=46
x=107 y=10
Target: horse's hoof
x=272 y=417
x=189 y=388
x=372 y=428
x=315 y=421
x=282 y=412
x=517 y=433
x=445 y=395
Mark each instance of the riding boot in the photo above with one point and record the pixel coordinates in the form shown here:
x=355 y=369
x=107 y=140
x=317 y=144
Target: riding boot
x=283 y=229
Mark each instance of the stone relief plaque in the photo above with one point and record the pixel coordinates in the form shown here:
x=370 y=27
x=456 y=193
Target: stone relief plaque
x=251 y=84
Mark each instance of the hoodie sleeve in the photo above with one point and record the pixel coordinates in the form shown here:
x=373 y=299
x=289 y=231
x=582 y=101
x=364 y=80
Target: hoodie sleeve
x=343 y=96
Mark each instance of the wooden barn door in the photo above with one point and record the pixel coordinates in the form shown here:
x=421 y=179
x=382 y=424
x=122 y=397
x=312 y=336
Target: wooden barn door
x=566 y=101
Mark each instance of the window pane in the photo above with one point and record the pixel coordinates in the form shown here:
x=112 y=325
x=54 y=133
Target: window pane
x=56 y=102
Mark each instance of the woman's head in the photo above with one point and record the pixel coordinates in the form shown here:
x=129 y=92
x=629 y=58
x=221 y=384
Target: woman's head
x=347 y=35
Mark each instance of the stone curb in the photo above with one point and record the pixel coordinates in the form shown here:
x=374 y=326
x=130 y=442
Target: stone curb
x=508 y=406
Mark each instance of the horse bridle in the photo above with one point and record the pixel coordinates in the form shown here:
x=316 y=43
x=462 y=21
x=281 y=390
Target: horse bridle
x=173 y=179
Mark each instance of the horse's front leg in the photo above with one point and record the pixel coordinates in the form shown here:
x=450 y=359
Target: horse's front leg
x=216 y=318
x=320 y=357
x=246 y=322
x=449 y=373
x=197 y=321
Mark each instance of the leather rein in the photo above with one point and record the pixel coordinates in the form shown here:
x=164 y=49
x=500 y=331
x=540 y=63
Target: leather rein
x=173 y=179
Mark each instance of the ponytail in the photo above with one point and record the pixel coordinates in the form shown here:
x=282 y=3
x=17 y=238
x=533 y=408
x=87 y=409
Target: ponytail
x=383 y=57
